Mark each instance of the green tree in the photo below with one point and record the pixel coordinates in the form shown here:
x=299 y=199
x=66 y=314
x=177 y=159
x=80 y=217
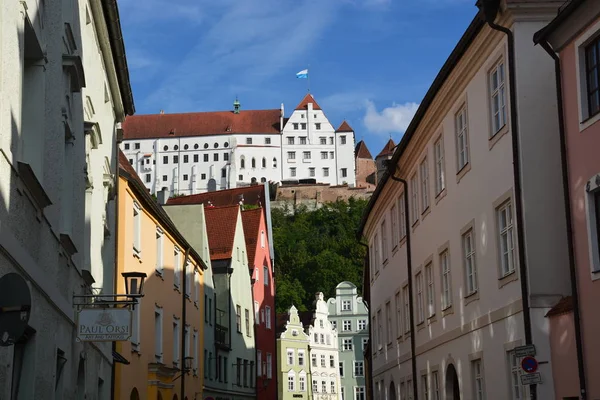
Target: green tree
x=316 y=250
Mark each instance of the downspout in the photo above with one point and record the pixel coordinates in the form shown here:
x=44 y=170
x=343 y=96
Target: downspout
x=413 y=331
x=116 y=269
x=252 y=282
x=490 y=11
x=567 y=199
x=370 y=377
x=183 y=320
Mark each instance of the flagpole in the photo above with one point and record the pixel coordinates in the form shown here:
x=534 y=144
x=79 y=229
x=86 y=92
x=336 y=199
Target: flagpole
x=308 y=78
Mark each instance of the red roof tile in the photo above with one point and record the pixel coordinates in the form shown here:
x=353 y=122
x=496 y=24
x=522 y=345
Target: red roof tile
x=201 y=124
x=220 y=226
x=361 y=151
x=308 y=99
x=253 y=195
x=387 y=149
x=344 y=127
x=251 y=222
x=564 y=306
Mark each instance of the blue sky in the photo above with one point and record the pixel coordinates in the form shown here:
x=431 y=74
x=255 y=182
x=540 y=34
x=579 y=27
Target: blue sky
x=371 y=61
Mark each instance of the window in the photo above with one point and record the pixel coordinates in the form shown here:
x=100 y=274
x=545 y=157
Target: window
x=189 y=271
x=435 y=390
x=324 y=386
x=291 y=381
x=361 y=324
x=186 y=158
x=238 y=318
x=384 y=250
x=405 y=300
x=291 y=155
x=462 y=138
x=398 y=304
x=470 y=266
x=175 y=159
x=300 y=358
x=379 y=330
x=216 y=157
x=148 y=178
x=176 y=267
x=131 y=161
x=517 y=391
x=374 y=326
x=311 y=171
x=176 y=338
x=313 y=359
x=323 y=362
x=274 y=162
x=477 y=379
x=264 y=163
x=303 y=125
x=295 y=126
x=225 y=156
x=258 y=363
x=341 y=367
x=438 y=155
x=346 y=305
x=323 y=155
x=248 y=140
x=325 y=172
x=137 y=146
x=164 y=178
x=185 y=177
x=302 y=383
x=293 y=171
x=334 y=324
x=388 y=318
x=342 y=396
x=402 y=216
x=414 y=198
x=331 y=361
x=409 y=389
x=507 y=246
x=247 y=320
x=430 y=290
x=592 y=62
x=290 y=356
x=195 y=158
x=420 y=313
x=137 y=229
x=332 y=386
x=165 y=159
x=359 y=393
x=446 y=280
x=267 y=140
x=306 y=155
x=160 y=243
x=269 y=365
x=223 y=173
x=315 y=388
x=303 y=140
x=344 y=172
x=347 y=325
x=424 y=170
x=126 y=146
x=202 y=176
x=394 y=217
x=498 y=98
x=290 y=140
x=365 y=341
x=331 y=153
x=318 y=127
x=268 y=317
x=135 y=327
x=343 y=139
x=347 y=344
x=158 y=333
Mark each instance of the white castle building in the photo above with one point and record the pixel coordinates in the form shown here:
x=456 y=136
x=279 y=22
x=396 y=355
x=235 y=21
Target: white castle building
x=205 y=151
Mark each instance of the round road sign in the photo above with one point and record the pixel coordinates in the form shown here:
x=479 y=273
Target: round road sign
x=15 y=307
x=529 y=364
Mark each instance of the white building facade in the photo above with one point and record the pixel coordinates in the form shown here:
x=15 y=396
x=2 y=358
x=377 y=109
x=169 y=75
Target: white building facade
x=475 y=288
x=324 y=354
x=64 y=95
x=198 y=152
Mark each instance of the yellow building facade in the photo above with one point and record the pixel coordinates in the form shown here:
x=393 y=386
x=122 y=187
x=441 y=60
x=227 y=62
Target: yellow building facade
x=166 y=345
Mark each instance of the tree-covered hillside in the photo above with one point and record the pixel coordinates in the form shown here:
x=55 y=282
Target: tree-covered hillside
x=316 y=250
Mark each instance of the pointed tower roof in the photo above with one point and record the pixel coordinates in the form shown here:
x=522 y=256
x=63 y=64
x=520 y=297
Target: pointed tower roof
x=345 y=127
x=387 y=149
x=361 y=151
x=308 y=99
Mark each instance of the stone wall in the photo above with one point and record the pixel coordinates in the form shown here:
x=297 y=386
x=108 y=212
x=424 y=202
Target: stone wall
x=314 y=196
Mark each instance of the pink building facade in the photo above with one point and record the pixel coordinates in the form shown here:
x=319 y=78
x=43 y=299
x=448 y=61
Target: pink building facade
x=573 y=38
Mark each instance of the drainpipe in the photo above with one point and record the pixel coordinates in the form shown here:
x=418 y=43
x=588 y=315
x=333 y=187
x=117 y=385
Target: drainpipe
x=370 y=385
x=567 y=199
x=116 y=269
x=413 y=355
x=183 y=320
x=489 y=9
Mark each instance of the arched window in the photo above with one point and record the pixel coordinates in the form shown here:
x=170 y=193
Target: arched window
x=264 y=162
x=263 y=179
x=134 y=394
x=253 y=162
x=274 y=162
x=253 y=180
x=242 y=162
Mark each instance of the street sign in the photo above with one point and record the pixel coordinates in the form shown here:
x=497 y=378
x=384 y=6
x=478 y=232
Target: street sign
x=524 y=351
x=529 y=364
x=531 y=379
x=103 y=324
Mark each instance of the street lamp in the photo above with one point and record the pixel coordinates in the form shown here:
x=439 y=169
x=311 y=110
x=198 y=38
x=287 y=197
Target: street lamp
x=134 y=289
x=187 y=367
x=134 y=284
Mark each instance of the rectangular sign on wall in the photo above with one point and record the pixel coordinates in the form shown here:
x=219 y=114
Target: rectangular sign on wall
x=103 y=325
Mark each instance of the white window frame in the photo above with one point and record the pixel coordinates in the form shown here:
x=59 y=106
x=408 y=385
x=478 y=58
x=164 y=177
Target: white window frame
x=137 y=229
x=384 y=249
x=394 y=219
x=402 y=216
x=347 y=344
x=347 y=325
x=158 y=334
x=435 y=382
x=269 y=365
x=517 y=391
x=302 y=382
x=478 y=379
x=506 y=237
x=420 y=305
x=291 y=381
x=498 y=93
x=470 y=262
x=268 y=317
x=424 y=175
x=388 y=319
x=256 y=313
x=197 y=287
x=406 y=312
x=446 y=278
x=301 y=358
x=587 y=37
x=430 y=290
x=359 y=368
x=346 y=305
x=290 y=356
x=177 y=268
x=440 y=171
x=398 y=304
x=461 y=122
x=359 y=393
x=414 y=189
x=195 y=352
x=176 y=341
x=361 y=324
x=160 y=250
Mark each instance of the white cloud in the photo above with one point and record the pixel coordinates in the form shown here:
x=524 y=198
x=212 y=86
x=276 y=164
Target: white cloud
x=391 y=119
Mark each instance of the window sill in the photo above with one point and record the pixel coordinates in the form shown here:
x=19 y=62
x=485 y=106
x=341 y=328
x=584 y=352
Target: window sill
x=425 y=212
x=415 y=224
x=497 y=136
x=589 y=121
x=420 y=326
x=34 y=187
x=402 y=241
x=462 y=172
x=471 y=297
x=159 y=273
x=385 y=263
x=447 y=311
x=431 y=319
x=440 y=196
x=595 y=275
x=508 y=278
x=137 y=254
x=394 y=250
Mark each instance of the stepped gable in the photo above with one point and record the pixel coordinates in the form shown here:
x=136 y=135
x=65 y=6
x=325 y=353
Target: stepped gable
x=344 y=127
x=388 y=149
x=220 y=226
x=253 y=195
x=361 y=151
x=153 y=126
x=251 y=223
x=308 y=99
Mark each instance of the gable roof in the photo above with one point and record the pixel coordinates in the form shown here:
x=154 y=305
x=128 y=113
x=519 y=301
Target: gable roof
x=308 y=99
x=251 y=223
x=152 y=126
x=253 y=195
x=220 y=226
x=344 y=127
x=361 y=150
x=126 y=171
x=387 y=149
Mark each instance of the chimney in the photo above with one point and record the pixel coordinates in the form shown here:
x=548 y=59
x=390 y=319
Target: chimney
x=162 y=112
x=163 y=196
x=236 y=106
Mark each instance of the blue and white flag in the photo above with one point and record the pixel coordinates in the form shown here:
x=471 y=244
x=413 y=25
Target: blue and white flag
x=302 y=74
